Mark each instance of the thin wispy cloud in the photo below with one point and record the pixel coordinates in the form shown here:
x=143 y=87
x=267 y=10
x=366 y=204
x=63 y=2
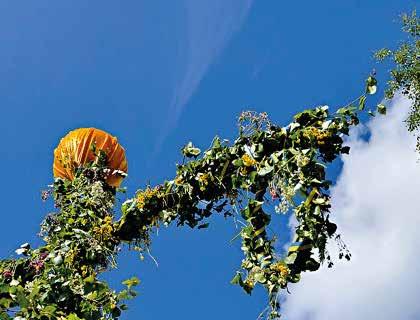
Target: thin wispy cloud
x=375 y=204
x=210 y=26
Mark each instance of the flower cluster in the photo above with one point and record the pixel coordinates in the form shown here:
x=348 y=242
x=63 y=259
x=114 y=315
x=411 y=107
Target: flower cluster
x=281 y=268
x=144 y=195
x=105 y=231
x=317 y=134
x=203 y=180
x=286 y=192
x=248 y=161
x=178 y=180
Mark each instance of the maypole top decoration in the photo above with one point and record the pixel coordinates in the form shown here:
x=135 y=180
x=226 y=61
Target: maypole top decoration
x=82 y=146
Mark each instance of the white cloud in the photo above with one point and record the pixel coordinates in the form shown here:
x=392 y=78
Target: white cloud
x=210 y=26
x=376 y=206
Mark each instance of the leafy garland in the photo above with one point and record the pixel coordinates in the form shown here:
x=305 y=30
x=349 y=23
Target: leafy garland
x=267 y=164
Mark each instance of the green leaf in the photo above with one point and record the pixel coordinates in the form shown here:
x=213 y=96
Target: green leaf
x=253 y=176
x=265 y=170
x=237 y=162
x=5 y=303
x=345 y=150
x=49 y=310
x=90 y=279
x=246 y=213
x=92 y=295
x=310 y=197
x=134 y=281
x=260 y=277
x=362 y=103
x=22 y=300
x=237 y=279
x=123 y=295
x=116 y=312
x=190 y=151
x=381 y=109
x=290 y=259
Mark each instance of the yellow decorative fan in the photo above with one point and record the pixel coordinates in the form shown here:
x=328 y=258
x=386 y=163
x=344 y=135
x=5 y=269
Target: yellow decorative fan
x=75 y=150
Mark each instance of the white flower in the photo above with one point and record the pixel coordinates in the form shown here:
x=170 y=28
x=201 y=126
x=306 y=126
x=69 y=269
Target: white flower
x=14 y=283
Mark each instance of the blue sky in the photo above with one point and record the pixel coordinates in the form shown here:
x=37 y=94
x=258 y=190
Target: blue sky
x=160 y=73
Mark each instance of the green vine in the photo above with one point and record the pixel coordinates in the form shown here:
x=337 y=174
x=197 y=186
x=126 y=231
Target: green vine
x=266 y=165
x=405 y=72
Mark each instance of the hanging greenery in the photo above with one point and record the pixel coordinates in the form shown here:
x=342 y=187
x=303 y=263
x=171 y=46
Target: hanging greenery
x=267 y=165
x=405 y=71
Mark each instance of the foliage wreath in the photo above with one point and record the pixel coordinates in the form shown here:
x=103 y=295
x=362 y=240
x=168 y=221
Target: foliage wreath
x=267 y=164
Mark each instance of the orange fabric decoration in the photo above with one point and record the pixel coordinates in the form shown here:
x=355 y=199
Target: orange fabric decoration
x=75 y=150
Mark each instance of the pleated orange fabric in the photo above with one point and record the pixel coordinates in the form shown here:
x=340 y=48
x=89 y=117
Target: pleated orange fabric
x=75 y=150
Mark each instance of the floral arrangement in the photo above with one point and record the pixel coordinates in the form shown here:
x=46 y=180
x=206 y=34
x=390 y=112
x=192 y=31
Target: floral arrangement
x=266 y=165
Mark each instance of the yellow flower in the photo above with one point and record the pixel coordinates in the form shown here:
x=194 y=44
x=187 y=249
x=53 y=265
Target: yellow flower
x=248 y=161
x=105 y=230
x=203 y=179
x=281 y=268
x=71 y=256
x=317 y=134
x=144 y=196
x=178 y=180
x=243 y=171
x=84 y=270
x=140 y=201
